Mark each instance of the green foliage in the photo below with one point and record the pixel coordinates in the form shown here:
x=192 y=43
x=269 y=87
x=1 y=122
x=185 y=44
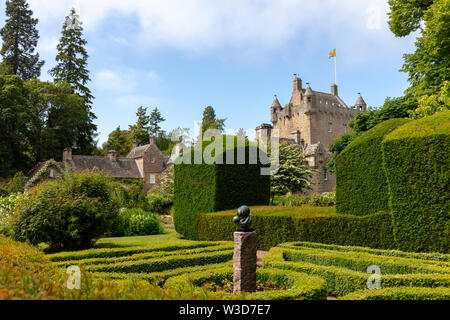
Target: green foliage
x=212 y=187
x=417 y=167
x=362 y=187
x=275 y=225
x=406 y=15
x=17 y=183
x=210 y=121
x=429 y=105
x=344 y=268
x=159 y=203
x=139 y=131
x=401 y=293
x=429 y=66
x=67 y=214
x=137 y=222
x=299 y=285
x=293 y=174
x=337 y=146
x=155 y=119
x=120 y=141
x=326 y=199
x=7 y=205
x=20 y=37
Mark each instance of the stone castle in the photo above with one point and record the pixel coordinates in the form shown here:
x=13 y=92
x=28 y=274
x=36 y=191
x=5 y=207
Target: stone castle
x=313 y=119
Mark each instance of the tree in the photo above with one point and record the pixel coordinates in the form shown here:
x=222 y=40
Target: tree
x=155 y=119
x=14 y=130
x=429 y=105
x=241 y=133
x=20 y=38
x=56 y=114
x=293 y=174
x=17 y=183
x=120 y=141
x=429 y=66
x=210 y=121
x=139 y=131
x=72 y=67
x=337 y=146
x=405 y=15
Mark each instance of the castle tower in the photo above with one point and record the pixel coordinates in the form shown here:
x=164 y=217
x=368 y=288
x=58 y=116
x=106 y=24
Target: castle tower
x=361 y=104
x=275 y=110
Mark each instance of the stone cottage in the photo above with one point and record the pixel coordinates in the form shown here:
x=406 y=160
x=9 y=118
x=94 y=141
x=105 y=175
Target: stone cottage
x=313 y=119
x=145 y=162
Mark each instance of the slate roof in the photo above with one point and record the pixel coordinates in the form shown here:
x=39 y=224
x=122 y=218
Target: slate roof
x=138 y=152
x=122 y=168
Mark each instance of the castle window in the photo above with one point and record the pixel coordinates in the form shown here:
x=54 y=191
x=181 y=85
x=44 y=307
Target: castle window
x=325 y=175
x=152 y=179
x=309 y=99
x=330 y=128
x=344 y=127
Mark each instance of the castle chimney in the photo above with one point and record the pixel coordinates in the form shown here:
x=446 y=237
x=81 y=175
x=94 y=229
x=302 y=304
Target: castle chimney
x=67 y=154
x=297 y=84
x=152 y=140
x=112 y=155
x=334 y=90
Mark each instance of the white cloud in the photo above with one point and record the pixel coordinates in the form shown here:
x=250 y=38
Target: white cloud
x=133 y=101
x=114 y=81
x=197 y=25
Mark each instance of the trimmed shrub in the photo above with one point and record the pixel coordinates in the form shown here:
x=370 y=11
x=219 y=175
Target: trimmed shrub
x=401 y=293
x=159 y=203
x=213 y=187
x=68 y=214
x=137 y=222
x=361 y=185
x=275 y=225
x=337 y=266
x=300 y=286
x=417 y=164
x=326 y=199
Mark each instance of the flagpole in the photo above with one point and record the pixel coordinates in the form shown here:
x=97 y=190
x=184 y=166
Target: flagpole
x=335 y=70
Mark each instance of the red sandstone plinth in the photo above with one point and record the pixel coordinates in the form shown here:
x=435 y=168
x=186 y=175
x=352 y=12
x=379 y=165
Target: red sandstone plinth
x=244 y=279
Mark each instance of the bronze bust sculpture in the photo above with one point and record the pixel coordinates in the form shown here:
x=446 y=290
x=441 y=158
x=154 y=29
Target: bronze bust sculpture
x=243 y=219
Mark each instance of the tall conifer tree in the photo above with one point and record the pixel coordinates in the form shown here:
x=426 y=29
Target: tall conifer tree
x=20 y=38
x=72 y=67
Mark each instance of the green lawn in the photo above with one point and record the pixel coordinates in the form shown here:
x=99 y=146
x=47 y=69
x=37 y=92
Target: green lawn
x=169 y=237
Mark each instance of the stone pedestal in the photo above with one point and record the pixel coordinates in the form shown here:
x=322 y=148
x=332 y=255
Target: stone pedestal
x=244 y=279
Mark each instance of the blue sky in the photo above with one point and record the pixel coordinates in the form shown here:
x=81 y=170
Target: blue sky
x=182 y=56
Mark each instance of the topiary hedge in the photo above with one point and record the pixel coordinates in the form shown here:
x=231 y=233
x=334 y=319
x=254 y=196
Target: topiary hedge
x=275 y=225
x=401 y=293
x=417 y=164
x=344 y=268
x=300 y=285
x=214 y=187
x=361 y=185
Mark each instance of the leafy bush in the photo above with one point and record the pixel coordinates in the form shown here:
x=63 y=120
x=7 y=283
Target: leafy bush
x=276 y=225
x=129 y=194
x=159 y=203
x=326 y=199
x=208 y=188
x=417 y=164
x=361 y=185
x=137 y=222
x=68 y=214
x=7 y=205
x=17 y=183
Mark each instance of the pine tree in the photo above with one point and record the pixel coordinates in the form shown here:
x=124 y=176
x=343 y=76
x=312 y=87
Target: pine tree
x=72 y=68
x=20 y=38
x=139 y=131
x=155 y=119
x=210 y=121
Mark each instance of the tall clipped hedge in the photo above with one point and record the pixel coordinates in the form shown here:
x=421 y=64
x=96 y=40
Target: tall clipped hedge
x=417 y=164
x=213 y=187
x=361 y=185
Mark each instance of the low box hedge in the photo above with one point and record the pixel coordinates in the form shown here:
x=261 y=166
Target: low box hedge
x=401 y=293
x=163 y=263
x=340 y=277
x=275 y=225
x=300 y=285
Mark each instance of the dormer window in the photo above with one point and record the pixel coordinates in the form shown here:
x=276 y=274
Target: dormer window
x=153 y=159
x=52 y=173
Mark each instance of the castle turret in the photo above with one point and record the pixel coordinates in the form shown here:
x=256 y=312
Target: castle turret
x=297 y=94
x=275 y=110
x=361 y=104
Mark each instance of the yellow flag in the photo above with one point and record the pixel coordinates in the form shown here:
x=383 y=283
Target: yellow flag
x=333 y=53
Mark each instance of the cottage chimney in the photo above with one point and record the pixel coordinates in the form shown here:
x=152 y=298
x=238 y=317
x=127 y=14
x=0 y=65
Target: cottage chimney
x=112 y=155
x=334 y=90
x=152 y=140
x=67 y=154
x=297 y=84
